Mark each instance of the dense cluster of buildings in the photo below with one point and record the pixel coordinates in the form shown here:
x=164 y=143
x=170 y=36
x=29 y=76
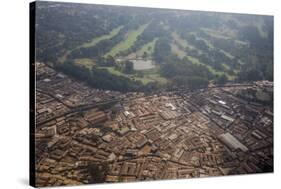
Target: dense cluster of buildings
x=169 y=135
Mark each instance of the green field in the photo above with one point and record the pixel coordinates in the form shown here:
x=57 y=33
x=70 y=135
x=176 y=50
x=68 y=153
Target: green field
x=211 y=69
x=91 y=43
x=88 y=63
x=180 y=53
x=156 y=77
x=214 y=33
x=179 y=40
x=184 y=43
x=177 y=48
x=179 y=45
x=114 y=71
x=95 y=40
x=148 y=47
x=177 y=51
x=227 y=54
x=259 y=24
x=148 y=75
x=129 y=40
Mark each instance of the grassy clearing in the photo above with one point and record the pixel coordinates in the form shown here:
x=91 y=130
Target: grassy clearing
x=148 y=47
x=211 y=69
x=183 y=43
x=226 y=66
x=215 y=34
x=154 y=75
x=259 y=24
x=206 y=42
x=95 y=40
x=157 y=78
x=179 y=40
x=130 y=38
x=91 y=43
x=180 y=44
x=239 y=42
x=145 y=80
x=177 y=51
x=227 y=54
x=88 y=63
x=194 y=60
x=209 y=45
x=114 y=71
x=148 y=75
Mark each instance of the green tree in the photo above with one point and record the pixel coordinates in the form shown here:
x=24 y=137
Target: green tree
x=144 y=56
x=221 y=79
x=97 y=172
x=129 y=67
x=110 y=61
x=162 y=50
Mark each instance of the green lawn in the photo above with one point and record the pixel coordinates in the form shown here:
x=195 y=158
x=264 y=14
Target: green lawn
x=148 y=75
x=158 y=78
x=179 y=40
x=148 y=47
x=95 y=40
x=130 y=38
x=227 y=54
x=91 y=43
x=211 y=69
x=184 y=43
x=88 y=63
x=179 y=45
x=180 y=53
x=177 y=51
x=114 y=71
x=259 y=24
x=214 y=33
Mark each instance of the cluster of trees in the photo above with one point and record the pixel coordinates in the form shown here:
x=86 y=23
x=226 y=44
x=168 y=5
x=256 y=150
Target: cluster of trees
x=97 y=172
x=100 y=48
x=182 y=73
x=259 y=64
x=105 y=61
x=221 y=79
x=106 y=45
x=210 y=56
x=255 y=72
x=129 y=67
x=193 y=22
x=63 y=27
x=152 y=31
x=250 y=43
x=193 y=82
x=99 y=78
x=162 y=50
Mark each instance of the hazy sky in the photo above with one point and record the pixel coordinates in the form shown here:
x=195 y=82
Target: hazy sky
x=236 y=6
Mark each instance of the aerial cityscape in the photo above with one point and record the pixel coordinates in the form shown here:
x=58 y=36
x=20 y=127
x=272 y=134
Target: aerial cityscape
x=135 y=94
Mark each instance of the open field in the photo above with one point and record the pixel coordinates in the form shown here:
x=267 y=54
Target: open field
x=95 y=40
x=128 y=41
x=90 y=43
x=148 y=48
x=88 y=63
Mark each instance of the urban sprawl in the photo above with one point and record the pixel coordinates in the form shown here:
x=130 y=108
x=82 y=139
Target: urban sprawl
x=86 y=135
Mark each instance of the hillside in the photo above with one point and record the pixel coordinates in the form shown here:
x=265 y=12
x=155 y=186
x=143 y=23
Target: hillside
x=150 y=49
